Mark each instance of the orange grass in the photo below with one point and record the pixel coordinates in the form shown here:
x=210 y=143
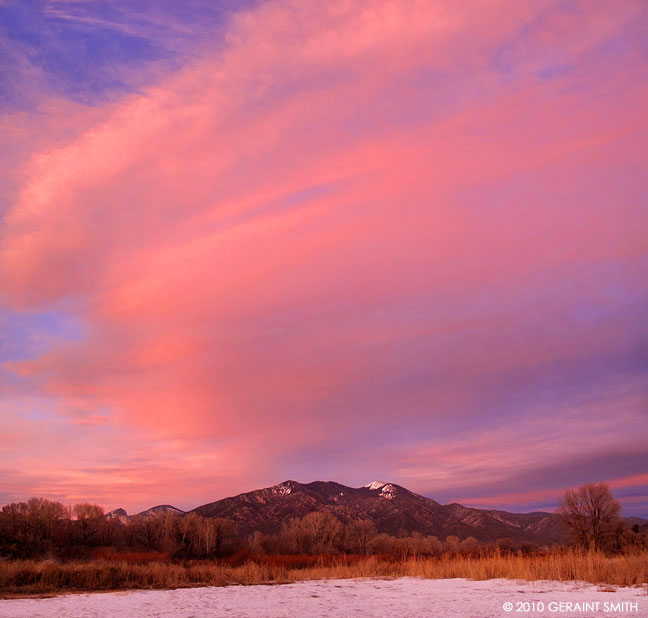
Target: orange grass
x=18 y=577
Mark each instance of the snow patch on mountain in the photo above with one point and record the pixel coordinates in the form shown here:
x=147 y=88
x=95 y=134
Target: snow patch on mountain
x=119 y=515
x=284 y=489
x=387 y=489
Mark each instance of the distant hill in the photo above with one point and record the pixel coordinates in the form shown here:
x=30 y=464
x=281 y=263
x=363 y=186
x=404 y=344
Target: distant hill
x=123 y=517
x=119 y=515
x=392 y=508
x=157 y=510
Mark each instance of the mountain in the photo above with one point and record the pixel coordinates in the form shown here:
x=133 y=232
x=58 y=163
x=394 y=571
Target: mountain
x=159 y=510
x=119 y=515
x=392 y=508
x=122 y=516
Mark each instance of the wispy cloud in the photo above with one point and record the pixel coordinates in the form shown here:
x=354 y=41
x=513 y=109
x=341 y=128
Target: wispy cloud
x=345 y=231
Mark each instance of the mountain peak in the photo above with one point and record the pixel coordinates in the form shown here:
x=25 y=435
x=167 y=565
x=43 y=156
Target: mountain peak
x=158 y=510
x=376 y=485
x=387 y=490
x=285 y=488
x=118 y=515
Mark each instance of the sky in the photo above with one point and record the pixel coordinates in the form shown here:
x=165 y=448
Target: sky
x=246 y=242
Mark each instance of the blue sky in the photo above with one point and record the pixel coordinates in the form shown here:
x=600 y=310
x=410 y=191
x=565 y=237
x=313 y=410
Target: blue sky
x=93 y=50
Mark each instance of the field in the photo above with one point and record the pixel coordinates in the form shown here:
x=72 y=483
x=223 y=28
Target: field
x=378 y=598
x=131 y=571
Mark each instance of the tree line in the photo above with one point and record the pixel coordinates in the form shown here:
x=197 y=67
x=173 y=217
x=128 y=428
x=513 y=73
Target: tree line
x=43 y=528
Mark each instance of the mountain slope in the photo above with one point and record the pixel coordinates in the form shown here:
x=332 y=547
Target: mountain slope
x=123 y=517
x=392 y=508
x=158 y=510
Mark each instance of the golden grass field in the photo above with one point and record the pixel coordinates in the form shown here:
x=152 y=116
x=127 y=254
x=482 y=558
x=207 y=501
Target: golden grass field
x=27 y=577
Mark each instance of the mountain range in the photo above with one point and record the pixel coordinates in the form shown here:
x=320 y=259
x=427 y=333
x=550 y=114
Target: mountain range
x=393 y=509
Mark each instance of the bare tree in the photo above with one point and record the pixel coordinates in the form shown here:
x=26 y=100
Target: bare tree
x=316 y=532
x=89 y=518
x=591 y=514
x=452 y=544
x=383 y=544
x=469 y=545
x=213 y=534
x=433 y=546
x=32 y=528
x=360 y=534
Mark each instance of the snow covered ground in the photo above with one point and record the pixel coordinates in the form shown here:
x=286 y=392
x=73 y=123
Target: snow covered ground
x=350 y=597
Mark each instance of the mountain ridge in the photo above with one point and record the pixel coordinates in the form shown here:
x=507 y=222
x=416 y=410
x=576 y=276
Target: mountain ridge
x=392 y=508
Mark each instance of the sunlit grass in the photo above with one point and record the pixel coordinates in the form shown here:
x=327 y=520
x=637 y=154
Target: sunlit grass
x=47 y=576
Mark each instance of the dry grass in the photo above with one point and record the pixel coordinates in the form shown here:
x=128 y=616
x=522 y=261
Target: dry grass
x=22 y=577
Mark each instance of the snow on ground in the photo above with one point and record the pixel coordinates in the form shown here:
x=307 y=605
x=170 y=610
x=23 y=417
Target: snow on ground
x=378 y=598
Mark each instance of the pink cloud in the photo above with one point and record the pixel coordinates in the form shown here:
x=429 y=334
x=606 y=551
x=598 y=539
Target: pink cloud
x=232 y=236
x=551 y=495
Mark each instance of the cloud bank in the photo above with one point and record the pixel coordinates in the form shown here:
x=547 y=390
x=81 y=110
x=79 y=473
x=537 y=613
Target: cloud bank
x=404 y=240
